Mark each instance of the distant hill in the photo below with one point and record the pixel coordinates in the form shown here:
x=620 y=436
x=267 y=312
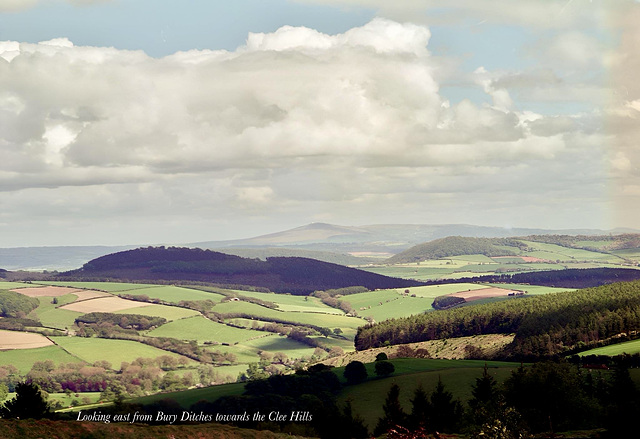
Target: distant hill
x=278 y=274
x=392 y=238
x=362 y=242
x=325 y=256
x=455 y=246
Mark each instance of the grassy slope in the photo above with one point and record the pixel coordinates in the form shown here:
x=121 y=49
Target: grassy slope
x=201 y=329
x=114 y=351
x=167 y=312
x=457 y=376
x=325 y=320
x=23 y=359
x=52 y=316
x=173 y=294
x=627 y=347
x=287 y=302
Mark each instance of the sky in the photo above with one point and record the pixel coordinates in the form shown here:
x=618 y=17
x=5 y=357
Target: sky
x=166 y=121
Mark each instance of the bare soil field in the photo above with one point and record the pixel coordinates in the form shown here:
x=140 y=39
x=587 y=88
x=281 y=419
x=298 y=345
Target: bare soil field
x=449 y=349
x=45 y=291
x=104 y=304
x=90 y=294
x=22 y=340
x=483 y=293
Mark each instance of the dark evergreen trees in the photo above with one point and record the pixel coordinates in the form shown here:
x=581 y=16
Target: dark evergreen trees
x=445 y=411
x=393 y=413
x=29 y=402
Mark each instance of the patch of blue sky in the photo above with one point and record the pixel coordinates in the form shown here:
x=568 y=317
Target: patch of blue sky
x=494 y=47
x=162 y=27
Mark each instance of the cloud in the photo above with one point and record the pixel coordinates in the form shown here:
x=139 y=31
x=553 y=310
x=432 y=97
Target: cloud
x=296 y=124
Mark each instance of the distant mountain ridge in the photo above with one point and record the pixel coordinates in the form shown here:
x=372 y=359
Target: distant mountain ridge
x=383 y=240
x=283 y=275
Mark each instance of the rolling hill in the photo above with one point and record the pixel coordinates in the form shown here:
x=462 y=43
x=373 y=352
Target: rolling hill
x=285 y=275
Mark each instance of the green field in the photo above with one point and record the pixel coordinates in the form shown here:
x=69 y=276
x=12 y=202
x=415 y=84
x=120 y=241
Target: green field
x=189 y=397
x=318 y=319
x=23 y=359
x=114 y=351
x=280 y=343
x=174 y=294
x=627 y=347
x=287 y=302
x=531 y=289
x=51 y=315
x=564 y=254
x=457 y=375
x=168 y=312
x=11 y=285
x=201 y=329
x=110 y=287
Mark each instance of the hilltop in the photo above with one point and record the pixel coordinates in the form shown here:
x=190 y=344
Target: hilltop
x=286 y=275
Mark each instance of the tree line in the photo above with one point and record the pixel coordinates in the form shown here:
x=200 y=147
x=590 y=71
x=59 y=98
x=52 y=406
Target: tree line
x=544 y=325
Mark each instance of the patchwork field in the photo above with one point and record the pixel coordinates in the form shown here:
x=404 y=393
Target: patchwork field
x=22 y=340
x=104 y=304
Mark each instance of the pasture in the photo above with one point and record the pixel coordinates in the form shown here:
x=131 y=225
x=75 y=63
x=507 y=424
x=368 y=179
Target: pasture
x=189 y=397
x=324 y=320
x=110 y=287
x=53 y=316
x=23 y=359
x=168 y=312
x=114 y=351
x=173 y=294
x=287 y=302
x=627 y=347
x=202 y=329
x=279 y=343
x=457 y=375
x=4 y=285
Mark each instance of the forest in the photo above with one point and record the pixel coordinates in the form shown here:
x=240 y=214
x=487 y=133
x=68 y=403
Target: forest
x=544 y=325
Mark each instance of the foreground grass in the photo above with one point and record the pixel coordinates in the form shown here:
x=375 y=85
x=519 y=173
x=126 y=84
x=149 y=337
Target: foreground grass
x=457 y=375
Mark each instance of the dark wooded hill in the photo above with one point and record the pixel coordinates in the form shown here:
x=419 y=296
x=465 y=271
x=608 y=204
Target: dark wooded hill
x=284 y=275
x=569 y=278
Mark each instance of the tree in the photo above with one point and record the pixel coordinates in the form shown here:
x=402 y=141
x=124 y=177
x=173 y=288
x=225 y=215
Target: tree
x=485 y=392
x=393 y=413
x=420 y=408
x=381 y=356
x=384 y=368
x=29 y=402
x=355 y=372
x=445 y=411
